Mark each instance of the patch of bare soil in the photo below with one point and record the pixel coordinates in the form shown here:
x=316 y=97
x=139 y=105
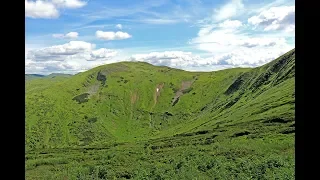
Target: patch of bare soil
x=184 y=85
x=157 y=93
x=134 y=97
x=93 y=89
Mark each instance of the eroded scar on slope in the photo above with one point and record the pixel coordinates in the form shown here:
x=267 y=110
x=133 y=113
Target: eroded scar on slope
x=93 y=89
x=184 y=86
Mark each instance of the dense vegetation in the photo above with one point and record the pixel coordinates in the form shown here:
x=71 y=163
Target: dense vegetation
x=132 y=120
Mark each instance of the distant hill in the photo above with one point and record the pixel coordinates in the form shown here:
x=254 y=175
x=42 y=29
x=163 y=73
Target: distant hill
x=33 y=76
x=53 y=75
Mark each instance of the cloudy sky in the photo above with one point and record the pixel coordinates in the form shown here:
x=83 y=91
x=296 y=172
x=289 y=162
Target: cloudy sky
x=70 y=36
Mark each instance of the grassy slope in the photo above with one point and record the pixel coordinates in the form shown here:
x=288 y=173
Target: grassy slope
x=113 y=105
x=243 y=114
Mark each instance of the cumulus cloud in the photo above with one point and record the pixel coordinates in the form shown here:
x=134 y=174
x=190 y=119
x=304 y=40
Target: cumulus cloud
x=234 y=48
x=49 y=9
x=40 y=9
x=228 y=10
x=240 y=57
x=244 y=57
x=70 y=35
x=109 y=35
x=72 y=57
x=180 y=60
x=54 y=67
x=102 y=53
x=234 y=43
x=169 y=58
x=216 y=40
x=275 y=18
x=119 y=26
x=60 y=52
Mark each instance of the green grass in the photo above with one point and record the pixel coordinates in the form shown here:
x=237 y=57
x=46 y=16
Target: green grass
x=110 y=123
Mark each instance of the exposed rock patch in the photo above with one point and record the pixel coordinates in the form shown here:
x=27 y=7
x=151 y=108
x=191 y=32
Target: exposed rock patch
x=184 y=88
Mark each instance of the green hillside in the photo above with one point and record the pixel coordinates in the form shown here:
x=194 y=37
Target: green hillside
x=133 y=120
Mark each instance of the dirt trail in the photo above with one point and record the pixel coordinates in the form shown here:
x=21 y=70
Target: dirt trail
x=134 y=97
x=157 y=92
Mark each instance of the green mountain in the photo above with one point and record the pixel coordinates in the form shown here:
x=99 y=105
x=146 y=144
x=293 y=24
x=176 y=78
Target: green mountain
x=139 y=121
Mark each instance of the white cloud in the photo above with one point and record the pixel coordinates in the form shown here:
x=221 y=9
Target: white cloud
x=59 y=52
x=72 y=57
x=205 y=30
x=240 y=57
x=251 y=57
x=49 y=9
x=40 y=9
x=230 y=46
x=228 y=10
x=169 y=58
x=119 y=26
x=70 y=35
x=112 y=35
x=72 y=4
x=208 y=68
x=230 y=24
x=275 y=18
x=102 y=53
x=230 y=42
x=216 y=40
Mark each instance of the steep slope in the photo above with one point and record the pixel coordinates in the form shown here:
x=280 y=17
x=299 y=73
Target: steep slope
x=265 y=93
x=132 y=120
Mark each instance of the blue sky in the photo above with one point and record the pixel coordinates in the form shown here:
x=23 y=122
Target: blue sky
x=71 y=36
